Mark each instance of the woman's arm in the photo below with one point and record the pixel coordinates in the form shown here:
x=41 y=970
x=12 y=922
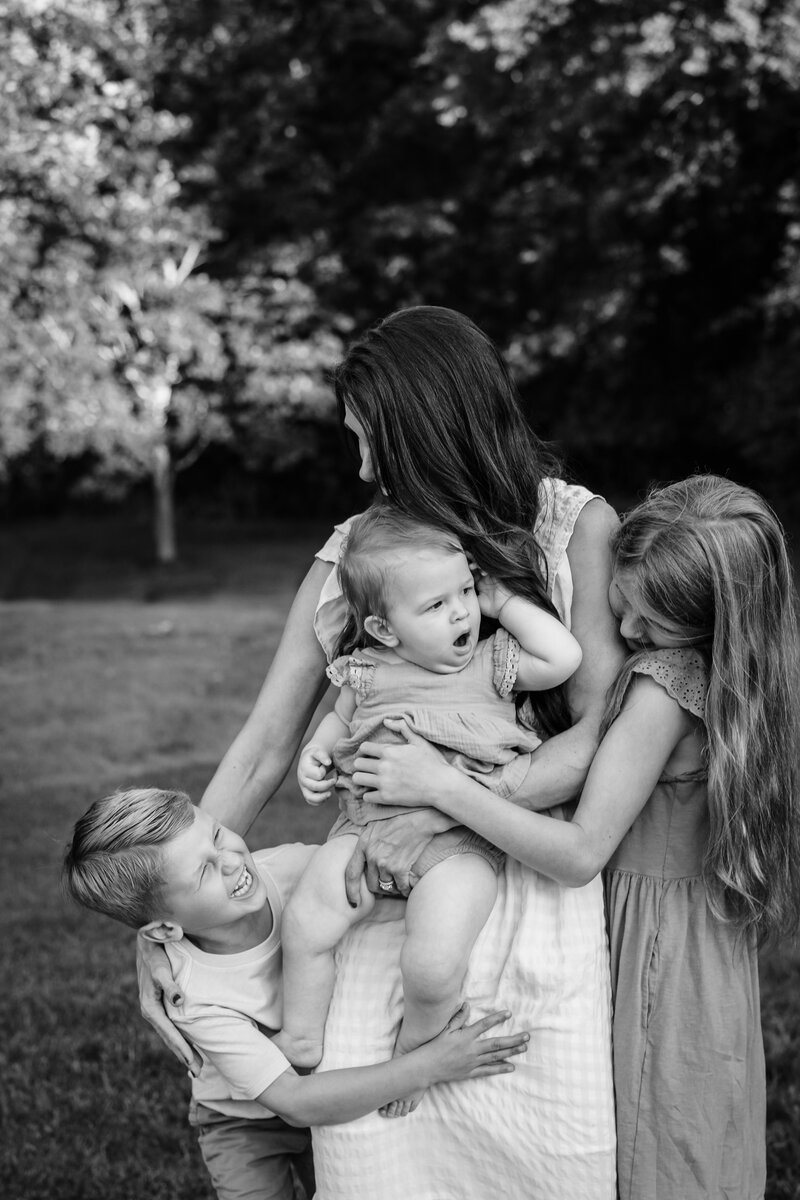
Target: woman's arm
x=261 y=754
x=621 y=779
x=560 y=765
x=250 y=772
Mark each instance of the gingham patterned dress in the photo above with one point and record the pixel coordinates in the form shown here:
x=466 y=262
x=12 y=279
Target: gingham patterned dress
x=545 y=1132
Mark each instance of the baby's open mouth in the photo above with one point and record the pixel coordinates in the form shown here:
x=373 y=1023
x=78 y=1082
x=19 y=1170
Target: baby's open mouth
x=461 y=641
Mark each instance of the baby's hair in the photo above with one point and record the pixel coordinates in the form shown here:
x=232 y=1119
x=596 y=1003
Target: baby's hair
x=709 y=556
x=373 y=550
x=114 y=863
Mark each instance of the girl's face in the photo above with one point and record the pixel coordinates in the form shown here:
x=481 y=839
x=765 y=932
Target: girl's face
x=367 y=472
x=433 y=617
x=639 y=626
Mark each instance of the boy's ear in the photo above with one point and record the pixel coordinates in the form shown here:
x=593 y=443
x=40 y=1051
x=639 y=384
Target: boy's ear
x=162 y=931
x=380 y=629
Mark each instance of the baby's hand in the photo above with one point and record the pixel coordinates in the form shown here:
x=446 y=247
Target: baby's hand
x=491 y=594
x=314 y=774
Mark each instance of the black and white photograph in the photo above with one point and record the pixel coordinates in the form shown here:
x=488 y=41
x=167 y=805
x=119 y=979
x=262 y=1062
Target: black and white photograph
x=399 y=663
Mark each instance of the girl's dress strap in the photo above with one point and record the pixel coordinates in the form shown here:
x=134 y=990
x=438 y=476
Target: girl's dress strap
x=681 y=671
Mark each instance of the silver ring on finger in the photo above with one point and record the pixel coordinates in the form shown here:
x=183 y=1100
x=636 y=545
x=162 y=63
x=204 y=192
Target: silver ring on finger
x=386 y=885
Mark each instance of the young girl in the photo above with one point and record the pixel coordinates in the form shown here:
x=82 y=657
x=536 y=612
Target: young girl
x=691 y=801
x=414 y=652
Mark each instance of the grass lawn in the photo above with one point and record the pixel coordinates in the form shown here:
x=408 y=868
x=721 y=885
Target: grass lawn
x=115 y=672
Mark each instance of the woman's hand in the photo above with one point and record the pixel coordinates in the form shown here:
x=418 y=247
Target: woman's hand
x=387 y=850
x=156 y=981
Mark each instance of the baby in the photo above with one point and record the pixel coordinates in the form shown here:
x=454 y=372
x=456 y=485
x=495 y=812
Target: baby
x=415 y=614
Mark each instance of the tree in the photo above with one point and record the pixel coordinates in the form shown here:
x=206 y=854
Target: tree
x=118 y=350
x=609 y=188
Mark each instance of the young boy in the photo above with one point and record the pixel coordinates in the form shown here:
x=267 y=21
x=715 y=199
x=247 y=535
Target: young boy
x=149 y=858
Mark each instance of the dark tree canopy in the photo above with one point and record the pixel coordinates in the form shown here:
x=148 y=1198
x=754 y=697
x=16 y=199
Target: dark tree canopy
x=611 y=189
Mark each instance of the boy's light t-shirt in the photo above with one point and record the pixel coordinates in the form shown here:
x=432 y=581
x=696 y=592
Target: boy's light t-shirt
x=233 y=1003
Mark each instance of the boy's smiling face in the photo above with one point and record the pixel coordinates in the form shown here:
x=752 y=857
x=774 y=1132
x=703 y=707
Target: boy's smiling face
x=211 y=881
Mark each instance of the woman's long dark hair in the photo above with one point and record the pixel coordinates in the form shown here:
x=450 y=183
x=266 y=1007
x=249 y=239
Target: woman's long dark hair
x=450 y=446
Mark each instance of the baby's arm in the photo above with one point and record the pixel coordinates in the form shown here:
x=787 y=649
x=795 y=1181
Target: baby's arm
x=549 y=653
x=333 y=1097
x=313 y=770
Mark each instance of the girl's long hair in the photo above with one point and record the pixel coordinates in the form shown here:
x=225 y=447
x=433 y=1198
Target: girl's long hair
x=710 y=557
x=451 y=447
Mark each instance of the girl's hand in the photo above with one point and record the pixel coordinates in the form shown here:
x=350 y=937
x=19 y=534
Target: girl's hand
x=314 y=774
x=155 y=982
x=388 y=850
x=461 y=1052
x=491 y=594
x=410 y=774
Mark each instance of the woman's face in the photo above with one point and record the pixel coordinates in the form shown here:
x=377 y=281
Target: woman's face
x=367 y=472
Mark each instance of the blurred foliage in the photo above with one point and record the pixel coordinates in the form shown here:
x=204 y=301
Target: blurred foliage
x=611 y=189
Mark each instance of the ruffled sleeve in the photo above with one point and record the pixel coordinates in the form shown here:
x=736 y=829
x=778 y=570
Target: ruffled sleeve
x=560 y=505
x=681 y=672
x=331 y=612
x=352 y=671
x=505 y=655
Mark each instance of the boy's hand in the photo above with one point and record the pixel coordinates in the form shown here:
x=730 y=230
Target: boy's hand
x=461 y=1052
x=314 y=774
x=491 y=594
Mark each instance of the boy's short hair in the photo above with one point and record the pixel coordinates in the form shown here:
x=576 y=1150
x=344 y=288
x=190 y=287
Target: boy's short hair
x=114 y=862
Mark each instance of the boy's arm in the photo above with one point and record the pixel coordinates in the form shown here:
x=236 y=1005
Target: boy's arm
x=334 y=1097
x=549 y=653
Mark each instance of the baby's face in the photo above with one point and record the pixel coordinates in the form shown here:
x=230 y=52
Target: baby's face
x=433 y=610
x=211 y=878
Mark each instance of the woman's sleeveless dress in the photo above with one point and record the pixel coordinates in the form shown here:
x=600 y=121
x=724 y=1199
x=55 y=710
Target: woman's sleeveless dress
x=688 y=1052
x=545 y=1132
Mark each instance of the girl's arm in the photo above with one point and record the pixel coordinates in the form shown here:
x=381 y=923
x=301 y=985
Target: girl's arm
x=549 y=653
x=261 y=754
x=333 y=1097
x=625 y=770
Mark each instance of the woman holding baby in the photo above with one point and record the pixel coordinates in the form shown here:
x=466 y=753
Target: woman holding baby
x=430 y=403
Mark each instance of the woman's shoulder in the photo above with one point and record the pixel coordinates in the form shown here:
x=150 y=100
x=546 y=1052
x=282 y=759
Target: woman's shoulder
x=567 y=511
x=332 y=549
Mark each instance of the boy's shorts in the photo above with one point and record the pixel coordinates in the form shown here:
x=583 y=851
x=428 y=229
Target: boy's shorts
x=261 y=1159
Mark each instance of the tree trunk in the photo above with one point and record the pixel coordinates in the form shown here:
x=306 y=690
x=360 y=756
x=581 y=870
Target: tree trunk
x=164 y=505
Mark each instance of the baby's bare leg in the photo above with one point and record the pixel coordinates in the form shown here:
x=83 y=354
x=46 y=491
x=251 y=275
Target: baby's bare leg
x=314 y=922
x=445 y=913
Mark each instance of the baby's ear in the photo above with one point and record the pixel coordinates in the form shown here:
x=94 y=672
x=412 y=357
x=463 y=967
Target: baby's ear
x=380 y=629
x=161 y=931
